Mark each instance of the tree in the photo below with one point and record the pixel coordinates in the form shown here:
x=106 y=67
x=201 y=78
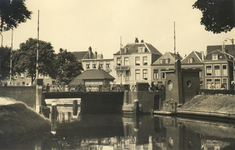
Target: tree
x=67 y=67
x=5 y=62
x=217 y=15
x=12 y=13
x=25 y=58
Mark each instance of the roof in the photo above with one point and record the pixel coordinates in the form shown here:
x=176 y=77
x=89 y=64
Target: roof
x=81 y=55
x=133 y=48
x=223 y=55
x=167 y=56
x=198 y=57
x=230 y=49
x=94 y=74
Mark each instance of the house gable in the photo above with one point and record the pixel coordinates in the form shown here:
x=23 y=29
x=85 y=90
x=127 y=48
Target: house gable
x=193 y=57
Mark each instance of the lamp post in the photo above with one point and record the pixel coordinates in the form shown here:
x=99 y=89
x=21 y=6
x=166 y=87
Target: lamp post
x=232 y=40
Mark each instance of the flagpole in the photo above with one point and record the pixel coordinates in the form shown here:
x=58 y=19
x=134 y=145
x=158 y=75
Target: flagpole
x=37 y=48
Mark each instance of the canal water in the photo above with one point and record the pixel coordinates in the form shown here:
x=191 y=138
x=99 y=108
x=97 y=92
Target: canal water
x=118 y=132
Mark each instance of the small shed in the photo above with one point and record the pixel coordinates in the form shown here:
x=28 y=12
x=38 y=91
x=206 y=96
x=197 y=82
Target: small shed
x=93 y=79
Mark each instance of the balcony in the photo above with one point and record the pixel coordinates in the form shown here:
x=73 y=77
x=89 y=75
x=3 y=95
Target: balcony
x=122 y=68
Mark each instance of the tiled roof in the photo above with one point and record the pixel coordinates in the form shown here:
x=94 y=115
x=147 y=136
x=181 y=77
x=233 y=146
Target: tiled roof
x=133 y=48
x=94 y=74
x=223 y=54
x=230 y=49
x=81 y=55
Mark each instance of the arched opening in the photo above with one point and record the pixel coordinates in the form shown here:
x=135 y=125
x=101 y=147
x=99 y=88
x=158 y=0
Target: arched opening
x=157 y=101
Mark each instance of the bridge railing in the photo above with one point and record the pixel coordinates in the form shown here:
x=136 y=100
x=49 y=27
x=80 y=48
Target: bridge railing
x=81 y=88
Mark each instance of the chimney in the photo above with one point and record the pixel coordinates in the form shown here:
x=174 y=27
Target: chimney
x=136 y=40
x=142 y=41
x=90 y=53
x=95 y=57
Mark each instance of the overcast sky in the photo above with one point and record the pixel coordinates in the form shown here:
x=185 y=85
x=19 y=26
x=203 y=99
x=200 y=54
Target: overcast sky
x=77 y=24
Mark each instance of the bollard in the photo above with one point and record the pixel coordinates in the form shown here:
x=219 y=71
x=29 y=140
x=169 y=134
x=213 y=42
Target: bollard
x=75 y=107
x=54 y=111
x=136 y=107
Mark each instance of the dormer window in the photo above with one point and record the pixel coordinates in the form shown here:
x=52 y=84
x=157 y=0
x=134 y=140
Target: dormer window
x=141 y=49
x=214 y=56
x=167 y=61
x=190 y=60
x=160 y=61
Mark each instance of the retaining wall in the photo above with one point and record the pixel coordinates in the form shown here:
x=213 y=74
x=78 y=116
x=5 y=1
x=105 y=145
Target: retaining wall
x=26 y=94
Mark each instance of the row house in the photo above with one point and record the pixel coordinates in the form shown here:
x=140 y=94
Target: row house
x=133 y=63
x=216 y=68
x=165 y=63
x=195 y=60
x=25 y=80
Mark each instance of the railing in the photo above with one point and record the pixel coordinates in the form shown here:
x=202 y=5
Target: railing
x=99 y=88
x=81 y=88
x=214 y=92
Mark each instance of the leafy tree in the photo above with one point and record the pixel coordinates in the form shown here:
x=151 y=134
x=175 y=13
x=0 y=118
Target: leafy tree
x=5 y=62
x=217 y=15
x=67 y=67
x=25 y=58
x=12 y=13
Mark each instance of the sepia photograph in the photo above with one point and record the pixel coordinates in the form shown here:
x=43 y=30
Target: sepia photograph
x=117 y=74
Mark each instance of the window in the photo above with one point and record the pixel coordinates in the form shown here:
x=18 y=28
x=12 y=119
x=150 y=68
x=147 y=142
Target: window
x=145 y=74
x=126 y=61
x=217 y=84
x=16 y=76
x=107 y=65
x=40 y=75
x=190 y=60
x=46 y=76
x=224 y=71
x=208 y=71
x=170 y=85
x=137 y=61
x=160 y=61
x=93 y=65
x=88 y=66
x=200 y=74
x=119 y=61
x=145 y=60
x=155 y=74
x=137 y=74
x=208 y=83
x=217 y=70
x=141 y=49
x=167 y=61
x=28 y=77
x=189 y=83
x=214 y=56
x=101 y=66
x=224 y=84
x=163 y=75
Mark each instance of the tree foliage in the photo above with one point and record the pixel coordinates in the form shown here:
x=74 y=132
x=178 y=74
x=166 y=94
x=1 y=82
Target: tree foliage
x=217 y=15
x=67 y=67
x=5 y=62
x=25 y=58
x=12 y=13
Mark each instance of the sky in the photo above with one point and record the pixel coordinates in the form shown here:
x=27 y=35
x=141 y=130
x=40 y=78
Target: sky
x=76 y=25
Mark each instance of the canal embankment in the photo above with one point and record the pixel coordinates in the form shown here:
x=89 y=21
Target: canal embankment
x=18 y=121
x=217 y=106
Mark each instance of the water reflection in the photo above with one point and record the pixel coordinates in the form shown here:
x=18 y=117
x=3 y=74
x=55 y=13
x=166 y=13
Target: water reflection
x=115 y=132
